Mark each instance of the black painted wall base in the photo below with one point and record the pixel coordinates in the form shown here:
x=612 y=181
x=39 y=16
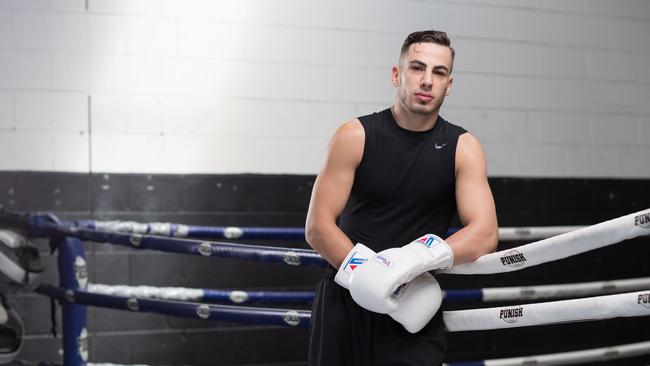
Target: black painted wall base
x=282 y=200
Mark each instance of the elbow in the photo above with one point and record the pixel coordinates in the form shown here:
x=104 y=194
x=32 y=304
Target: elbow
x=313 y=233
x=489 y=240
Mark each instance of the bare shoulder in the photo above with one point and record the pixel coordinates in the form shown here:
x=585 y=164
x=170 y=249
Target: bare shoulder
x=467 y=141
x=350 y=131
x=469 y=153
x=348 y=141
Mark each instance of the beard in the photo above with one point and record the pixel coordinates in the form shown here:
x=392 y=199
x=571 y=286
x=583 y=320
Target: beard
x=423 y=108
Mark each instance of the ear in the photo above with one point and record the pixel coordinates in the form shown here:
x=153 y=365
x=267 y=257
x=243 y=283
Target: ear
x=394 y=77
x=448 y=89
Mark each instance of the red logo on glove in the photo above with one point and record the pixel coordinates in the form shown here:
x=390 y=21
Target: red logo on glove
x=428 y=240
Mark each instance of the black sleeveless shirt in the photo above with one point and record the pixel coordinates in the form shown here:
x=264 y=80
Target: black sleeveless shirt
x=404 y=186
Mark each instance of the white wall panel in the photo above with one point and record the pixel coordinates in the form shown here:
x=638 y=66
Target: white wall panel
x=549 y=94
x=186 y=153
x=51 y=111
x=643 y=135
x=630 y=34
x=25 y=4
x=133 y=114
x=62 y=78
x=106 y=34
x=633 y=162
x=549 y=5
x=561 y=128
x=614 y=130
x=126 y=7
x=50 y=30
x=242 y=41
x=551 y=88
x=627 y=8
x=541 y=160
x=6 y=110
x=147 y=36
x=25 y=69
x=260 y=118
x=592 y=161
x=620 y=66
x=44 y=150
x=68 y=5
x=5 y=28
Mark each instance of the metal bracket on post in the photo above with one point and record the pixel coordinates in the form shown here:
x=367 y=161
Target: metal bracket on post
x=73 y=275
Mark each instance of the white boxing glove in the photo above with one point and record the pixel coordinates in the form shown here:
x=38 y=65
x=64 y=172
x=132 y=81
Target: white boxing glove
x=419 y=300
x=373 y=285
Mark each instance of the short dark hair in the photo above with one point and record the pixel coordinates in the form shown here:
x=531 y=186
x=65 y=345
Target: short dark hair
x=427 y=36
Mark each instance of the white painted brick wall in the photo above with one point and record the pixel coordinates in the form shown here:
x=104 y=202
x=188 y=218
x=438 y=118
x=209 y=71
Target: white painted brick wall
x=551 y=88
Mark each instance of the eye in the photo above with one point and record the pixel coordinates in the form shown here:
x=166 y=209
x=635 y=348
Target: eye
x=417 y=68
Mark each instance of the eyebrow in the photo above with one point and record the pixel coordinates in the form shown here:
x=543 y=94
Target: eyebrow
x=438 y=67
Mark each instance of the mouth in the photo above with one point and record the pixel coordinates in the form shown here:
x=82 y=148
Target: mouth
x=424 y=97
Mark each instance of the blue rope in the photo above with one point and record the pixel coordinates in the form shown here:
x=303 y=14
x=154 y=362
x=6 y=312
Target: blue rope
x=236 y=314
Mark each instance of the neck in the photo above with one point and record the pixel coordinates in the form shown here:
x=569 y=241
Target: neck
x=413 y=121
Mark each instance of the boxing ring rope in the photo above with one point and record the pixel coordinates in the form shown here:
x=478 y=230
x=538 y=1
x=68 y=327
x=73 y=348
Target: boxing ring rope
x=592 y=308
x=73 y=275
x=275 y=233
x=568 y=358
x=562 y=358
x=542 y=251
x=542 y=292
x=9 y=268
x=205 y=295
x=181 y=309
x=629 y=304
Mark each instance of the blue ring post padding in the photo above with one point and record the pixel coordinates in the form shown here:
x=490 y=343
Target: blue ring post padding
x=217 y=249
x=460 y=295
x=238 y=314
x=260 y=297
x=73 y=315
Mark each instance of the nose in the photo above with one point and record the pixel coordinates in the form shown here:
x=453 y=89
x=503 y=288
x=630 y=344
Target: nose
x=427 y=81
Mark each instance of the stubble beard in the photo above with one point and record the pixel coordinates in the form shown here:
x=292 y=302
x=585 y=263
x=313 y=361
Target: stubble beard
x=418 y=107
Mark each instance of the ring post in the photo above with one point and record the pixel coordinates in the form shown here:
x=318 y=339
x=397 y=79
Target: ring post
x=73 y=275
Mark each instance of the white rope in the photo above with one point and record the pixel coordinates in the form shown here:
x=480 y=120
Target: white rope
x=565 y=290
x=13 y=271
x=560 y=246
x=153 y=228
x=168 y=229
x=166 y=293
x=534 y=232
x=577 y=357
x=592 y=308
x=12 y=239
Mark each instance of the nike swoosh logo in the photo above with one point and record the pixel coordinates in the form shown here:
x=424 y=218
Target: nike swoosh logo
x=438 y=147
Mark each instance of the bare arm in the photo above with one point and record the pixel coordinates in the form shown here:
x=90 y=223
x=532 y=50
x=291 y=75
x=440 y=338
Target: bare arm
x=331 y=191
x=476 y=208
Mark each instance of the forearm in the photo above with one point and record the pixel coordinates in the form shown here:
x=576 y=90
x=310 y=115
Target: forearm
x=473 y=241
x=329 y=241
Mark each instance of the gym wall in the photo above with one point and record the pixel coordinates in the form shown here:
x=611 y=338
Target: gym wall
x=219 y=113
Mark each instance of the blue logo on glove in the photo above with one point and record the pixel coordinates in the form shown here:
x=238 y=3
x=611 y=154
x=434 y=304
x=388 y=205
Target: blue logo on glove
x=354 y=261
x=428 y=240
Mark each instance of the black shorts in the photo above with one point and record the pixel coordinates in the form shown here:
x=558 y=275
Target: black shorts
x=343 y=333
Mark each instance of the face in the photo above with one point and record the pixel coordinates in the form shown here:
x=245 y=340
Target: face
x=423 y=78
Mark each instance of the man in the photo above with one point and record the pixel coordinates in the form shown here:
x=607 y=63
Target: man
x=389 y=178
